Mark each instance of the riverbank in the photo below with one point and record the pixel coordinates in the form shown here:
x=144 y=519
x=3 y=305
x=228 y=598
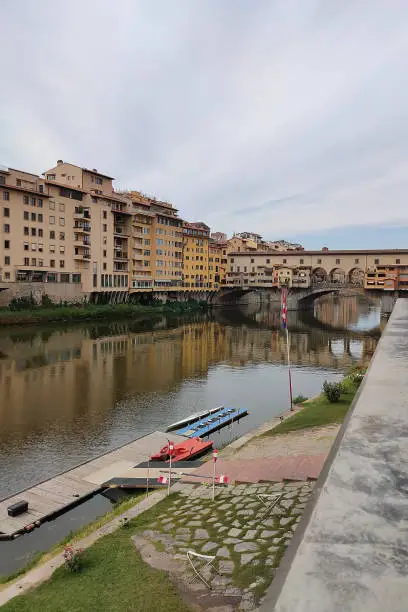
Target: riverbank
x=94 y=312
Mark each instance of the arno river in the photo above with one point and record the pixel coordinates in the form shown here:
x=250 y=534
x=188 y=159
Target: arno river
x=71 y=393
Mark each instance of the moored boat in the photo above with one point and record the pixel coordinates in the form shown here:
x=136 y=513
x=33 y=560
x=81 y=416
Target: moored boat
x=193 y=418
x=217 y=420
x=184 y=451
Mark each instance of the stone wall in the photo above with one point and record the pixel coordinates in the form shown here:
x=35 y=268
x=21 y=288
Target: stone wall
x=71 y=292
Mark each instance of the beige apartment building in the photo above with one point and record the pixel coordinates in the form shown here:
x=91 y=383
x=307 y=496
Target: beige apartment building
x=70 y=235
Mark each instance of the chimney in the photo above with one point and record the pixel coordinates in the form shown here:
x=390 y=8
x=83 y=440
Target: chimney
x=59 y=162
x=94 y=170
x=325 y=249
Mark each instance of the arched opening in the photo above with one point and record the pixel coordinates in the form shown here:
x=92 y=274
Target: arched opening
x=337 y=275
x=356 y=277
x=319 y=275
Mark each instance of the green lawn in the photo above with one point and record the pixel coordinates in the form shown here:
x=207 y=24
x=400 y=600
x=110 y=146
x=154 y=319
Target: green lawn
x=114 y=578
x=319 y=411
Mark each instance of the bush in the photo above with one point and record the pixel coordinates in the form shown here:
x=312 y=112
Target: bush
x=332 y=391
x=46 y=301
x=73 y=558
x=23 y=303
x=299 y=399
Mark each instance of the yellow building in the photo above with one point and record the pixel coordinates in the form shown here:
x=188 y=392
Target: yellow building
x=217 y=264
x=195 y=255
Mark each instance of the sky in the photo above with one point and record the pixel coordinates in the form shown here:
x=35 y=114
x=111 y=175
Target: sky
x=283 y=117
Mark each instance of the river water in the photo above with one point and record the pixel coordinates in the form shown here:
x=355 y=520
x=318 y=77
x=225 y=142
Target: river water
x=73 y=393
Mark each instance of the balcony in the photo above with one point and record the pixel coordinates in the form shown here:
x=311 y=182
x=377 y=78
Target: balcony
x=82 y=213
x=82 y=228
x=120 y=255
x=83 y=256
x=121 y=231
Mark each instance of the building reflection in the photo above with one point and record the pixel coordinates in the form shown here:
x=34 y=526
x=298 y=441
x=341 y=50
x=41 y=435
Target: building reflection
x=84 y=373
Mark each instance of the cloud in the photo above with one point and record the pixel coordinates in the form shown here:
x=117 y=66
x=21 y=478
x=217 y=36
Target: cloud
x=280 y=117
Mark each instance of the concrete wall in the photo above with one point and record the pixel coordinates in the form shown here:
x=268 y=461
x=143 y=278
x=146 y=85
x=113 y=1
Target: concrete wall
x=350 y=551
x=71 y=292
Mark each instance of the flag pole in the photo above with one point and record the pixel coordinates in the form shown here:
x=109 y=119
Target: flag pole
x=284 y=308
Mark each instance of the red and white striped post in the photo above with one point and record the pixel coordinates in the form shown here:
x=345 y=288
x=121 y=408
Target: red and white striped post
x=171 y=449
x=215 y=457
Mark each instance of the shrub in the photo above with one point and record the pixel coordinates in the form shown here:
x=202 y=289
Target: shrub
x=332 y=391
x=299 y=399
x=22 y=303
x=124 y=522
x=46 y=301
x=73 y=558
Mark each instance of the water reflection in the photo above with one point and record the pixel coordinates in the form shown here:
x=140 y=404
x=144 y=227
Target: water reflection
x=70 y=394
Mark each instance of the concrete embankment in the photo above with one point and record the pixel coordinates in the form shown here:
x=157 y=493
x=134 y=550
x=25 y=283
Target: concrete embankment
x=349 y=552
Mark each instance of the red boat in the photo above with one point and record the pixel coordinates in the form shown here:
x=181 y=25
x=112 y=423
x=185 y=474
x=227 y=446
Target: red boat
x=190 y=449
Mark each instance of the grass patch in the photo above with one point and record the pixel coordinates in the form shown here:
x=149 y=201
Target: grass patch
x=73 y=537
x=114 y=578
x=319 y=411
x=93 y=312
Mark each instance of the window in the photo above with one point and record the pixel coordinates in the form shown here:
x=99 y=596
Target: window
x=40 y=218
x=6 y=212
x=356 y=261
x=337 y=261
x=26 y=231
x=146 y=253
x=376 y=261
x=52 y=205
x=62 y=235
x=105 y=227
x=62 y=207
x=62 y=263
x=18 y=182
x=252 y=260
x=7 y=260
x=52 y=220
x=33 y=246
x=33 y=261
x=64 y=277
x=52 y=263
x=40 y=247
x=41 y=190
x=52 y=248
x=25 y=199
x=301 y=261
x=26 y=261
x=76 y=278
x=33 y=231
x=105 y=214
x=26 y=215
x=40 y=263
x=98 y=180
x=147 y=242
x=7 y=275
x=62 y=249
x=6 y=228
x=32 y=201
x=40 y=202
x=268 y=261
x=397 y=261
x=319 y=261
x=6 y=195
x=50 y=177
x=105 y=253
x=62 y=221
x=40 y=233
x=33 y=217
x=283 y=260
x=7 y=244
x=26 y=246
x=145 y=230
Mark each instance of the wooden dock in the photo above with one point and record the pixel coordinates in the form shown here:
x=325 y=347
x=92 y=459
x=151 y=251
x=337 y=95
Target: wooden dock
x=57 y=495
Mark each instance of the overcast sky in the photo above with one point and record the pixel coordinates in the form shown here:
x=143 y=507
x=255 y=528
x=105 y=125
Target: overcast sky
x=287 y=118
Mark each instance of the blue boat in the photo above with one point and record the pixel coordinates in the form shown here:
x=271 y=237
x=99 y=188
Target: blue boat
x=215 y=421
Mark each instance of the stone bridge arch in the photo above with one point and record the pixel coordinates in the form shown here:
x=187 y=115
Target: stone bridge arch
x=319 y=275
x=338 y=275
x=356 y=277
